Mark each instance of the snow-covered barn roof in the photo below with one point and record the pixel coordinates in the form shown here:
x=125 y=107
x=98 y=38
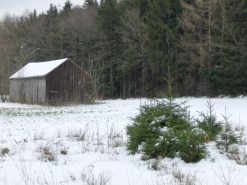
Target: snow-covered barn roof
x=37 y=69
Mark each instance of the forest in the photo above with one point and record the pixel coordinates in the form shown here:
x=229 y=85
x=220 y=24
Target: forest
x=137 y=48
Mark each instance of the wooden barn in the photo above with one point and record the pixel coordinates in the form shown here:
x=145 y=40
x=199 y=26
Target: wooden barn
x=54 y=82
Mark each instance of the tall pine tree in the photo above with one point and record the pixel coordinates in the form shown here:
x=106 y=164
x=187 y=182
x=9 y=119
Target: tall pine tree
x=110 y=22
x=162 y=30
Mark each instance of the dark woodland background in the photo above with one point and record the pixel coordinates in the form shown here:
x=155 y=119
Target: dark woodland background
x=137 y=48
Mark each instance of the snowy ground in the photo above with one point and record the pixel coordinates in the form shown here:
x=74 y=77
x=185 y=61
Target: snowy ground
x=85 y=144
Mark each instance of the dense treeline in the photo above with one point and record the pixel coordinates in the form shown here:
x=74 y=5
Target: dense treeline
x=137 y=47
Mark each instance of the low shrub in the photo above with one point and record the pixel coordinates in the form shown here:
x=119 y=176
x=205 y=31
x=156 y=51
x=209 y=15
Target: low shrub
x=64 y=151
x=209 y=123
x=47 y=154
x=164 y=129
x=4 y=151
x=227 y=137
x=191 y=145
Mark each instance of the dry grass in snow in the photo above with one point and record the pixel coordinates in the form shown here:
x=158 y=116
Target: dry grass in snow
x=86 y=145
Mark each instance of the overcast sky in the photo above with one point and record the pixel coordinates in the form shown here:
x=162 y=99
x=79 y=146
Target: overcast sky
x=17 y=7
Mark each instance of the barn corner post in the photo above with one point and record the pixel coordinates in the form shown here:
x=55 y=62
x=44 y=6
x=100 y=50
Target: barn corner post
x=4 y=72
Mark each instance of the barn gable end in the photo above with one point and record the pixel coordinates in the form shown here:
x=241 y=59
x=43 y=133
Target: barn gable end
x=68 y=83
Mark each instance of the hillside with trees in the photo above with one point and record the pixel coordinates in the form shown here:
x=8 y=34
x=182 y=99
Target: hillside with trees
x=137 y=48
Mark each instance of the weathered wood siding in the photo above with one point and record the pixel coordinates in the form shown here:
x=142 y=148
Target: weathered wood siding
x=28 y=90
x=67 y=84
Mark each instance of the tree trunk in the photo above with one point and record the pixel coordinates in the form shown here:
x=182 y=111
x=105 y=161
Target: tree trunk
x=209 y=33
x=144 y=77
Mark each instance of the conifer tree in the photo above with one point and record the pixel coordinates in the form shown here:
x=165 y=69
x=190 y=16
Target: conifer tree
x=228 y=74
x=109 y=15
x=66 y=8
x=90 y=3
x=162 y=31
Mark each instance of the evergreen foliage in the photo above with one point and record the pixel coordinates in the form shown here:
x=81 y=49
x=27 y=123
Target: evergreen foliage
x=162 y=32
x=90 y=3
x=142 y=47
x=227 y=137
x=109 y=16
x=164 y=129
x=67 y=7
x=209 y=123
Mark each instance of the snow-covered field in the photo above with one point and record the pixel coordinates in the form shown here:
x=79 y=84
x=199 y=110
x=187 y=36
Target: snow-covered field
x=85 y=144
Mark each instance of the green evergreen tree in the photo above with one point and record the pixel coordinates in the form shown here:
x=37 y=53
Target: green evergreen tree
x=228 y=74
x=110 y=22
x=162 y=31
x=90 y=3
x=66 y=8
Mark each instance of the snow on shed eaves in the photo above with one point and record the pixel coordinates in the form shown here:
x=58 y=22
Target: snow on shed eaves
x=37 y=69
